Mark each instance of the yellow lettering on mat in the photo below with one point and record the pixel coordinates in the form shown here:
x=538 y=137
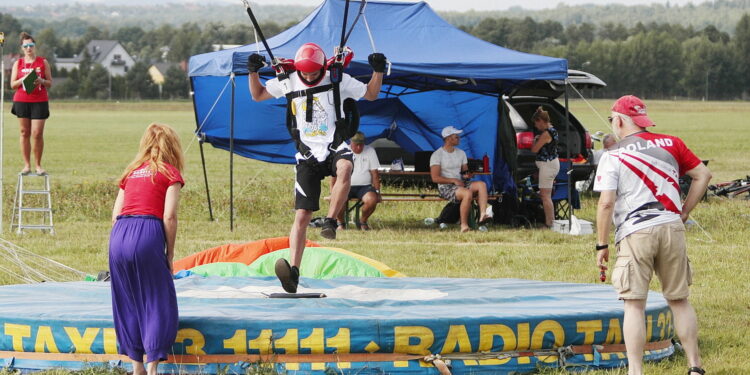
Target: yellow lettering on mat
x=82 y=343
x=402 y=341
x=45 y=341
x=197 y=341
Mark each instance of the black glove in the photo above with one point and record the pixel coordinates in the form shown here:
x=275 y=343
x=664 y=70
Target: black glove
x=255 y=62
x=377 y=62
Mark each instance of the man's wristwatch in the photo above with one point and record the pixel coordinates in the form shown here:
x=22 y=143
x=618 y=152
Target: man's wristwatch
x=602 y=247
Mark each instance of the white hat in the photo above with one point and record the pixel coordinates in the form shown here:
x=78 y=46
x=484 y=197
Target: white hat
x=449 y=131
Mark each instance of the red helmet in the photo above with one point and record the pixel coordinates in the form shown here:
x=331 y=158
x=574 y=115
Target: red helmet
x=310 y=58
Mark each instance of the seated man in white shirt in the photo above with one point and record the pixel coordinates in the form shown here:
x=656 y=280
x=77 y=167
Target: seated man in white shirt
x=449 y=169
x=365 y=184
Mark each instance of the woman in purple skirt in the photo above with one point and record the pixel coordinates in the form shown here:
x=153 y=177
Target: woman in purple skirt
x=141 y=250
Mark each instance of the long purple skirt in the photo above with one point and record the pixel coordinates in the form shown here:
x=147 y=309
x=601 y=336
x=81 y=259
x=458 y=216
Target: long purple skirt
x=144 y=303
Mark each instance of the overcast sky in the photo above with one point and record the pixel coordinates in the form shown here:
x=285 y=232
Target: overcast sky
x=463 y=5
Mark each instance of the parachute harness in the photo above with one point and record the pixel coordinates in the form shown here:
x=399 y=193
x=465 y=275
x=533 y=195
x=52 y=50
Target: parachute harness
x=347 y=125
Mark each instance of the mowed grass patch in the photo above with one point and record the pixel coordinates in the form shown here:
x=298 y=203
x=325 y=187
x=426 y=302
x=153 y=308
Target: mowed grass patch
x=88 y=144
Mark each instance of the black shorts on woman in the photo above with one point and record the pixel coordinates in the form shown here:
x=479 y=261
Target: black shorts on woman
x=31 y=110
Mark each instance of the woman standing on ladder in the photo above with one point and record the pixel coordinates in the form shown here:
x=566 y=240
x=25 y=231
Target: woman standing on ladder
x=31 y=103
x=141 y=250
x=545 y=148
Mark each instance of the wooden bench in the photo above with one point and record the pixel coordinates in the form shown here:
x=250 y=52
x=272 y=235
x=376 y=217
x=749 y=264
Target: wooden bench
x=355 y=204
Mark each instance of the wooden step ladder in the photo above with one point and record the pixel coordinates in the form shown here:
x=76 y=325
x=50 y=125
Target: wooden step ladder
x=43 y=203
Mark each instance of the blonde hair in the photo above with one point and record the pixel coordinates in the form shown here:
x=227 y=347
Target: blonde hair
x=160 y=144
x=540 y=114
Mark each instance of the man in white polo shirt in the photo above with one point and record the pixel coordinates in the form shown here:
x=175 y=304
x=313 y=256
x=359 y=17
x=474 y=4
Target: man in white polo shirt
x=365 y=180
x=638 y=181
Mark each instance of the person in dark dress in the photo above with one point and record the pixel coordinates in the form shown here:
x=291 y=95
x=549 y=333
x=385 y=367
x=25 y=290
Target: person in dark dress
x=141 y=250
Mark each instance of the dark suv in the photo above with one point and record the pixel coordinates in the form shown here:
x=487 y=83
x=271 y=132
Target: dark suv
x=517 y=131
x=574 y=141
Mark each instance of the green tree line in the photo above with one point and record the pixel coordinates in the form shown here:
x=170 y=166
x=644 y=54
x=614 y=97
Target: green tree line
x=166 y=43
x=652 y=60
x=655 y=60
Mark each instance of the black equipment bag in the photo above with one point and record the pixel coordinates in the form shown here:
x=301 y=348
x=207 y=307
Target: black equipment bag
x=450 y=214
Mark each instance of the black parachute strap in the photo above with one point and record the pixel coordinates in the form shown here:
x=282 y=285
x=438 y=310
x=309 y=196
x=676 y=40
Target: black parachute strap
x=291 y=118
x=291 y=126
x=348 y=126
x=356 y=19
x=337 y=69
x=310 y=95
x=307 y=92
x=343 y=26
x=278 y=67
x=257 y=28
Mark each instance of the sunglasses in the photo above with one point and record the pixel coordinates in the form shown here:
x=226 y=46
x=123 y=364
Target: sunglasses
x=27 y=45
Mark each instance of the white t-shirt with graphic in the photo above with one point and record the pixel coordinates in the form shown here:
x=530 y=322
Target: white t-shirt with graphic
x=318 y=134
x=364 y=162
x=450 y=162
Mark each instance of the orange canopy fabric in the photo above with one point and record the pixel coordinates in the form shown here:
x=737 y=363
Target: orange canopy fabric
x=241 y=253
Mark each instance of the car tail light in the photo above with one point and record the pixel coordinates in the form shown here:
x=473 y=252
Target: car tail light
x=524 y=139
x=587 y=140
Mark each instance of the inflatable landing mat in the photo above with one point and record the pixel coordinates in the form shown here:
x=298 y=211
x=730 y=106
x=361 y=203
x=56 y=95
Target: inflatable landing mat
x=364 y=326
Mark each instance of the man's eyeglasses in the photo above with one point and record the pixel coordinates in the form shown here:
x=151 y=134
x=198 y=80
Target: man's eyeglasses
x=28 y=45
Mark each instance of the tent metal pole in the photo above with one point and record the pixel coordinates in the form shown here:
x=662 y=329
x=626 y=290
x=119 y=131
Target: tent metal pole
x=205 y=180
x=201 y=139
x=567 y=150
x=231 y=156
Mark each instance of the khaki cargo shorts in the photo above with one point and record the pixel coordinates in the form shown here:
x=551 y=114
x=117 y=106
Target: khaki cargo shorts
x=659 y=249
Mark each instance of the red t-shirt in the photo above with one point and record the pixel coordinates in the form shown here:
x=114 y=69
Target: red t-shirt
x=144 y=197
x=40 y=92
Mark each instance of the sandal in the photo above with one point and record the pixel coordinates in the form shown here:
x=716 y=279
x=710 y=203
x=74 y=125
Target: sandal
x=341 y=226
x=364 y=226
x=696 y=369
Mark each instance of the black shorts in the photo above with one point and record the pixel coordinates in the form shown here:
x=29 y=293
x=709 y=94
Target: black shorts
x=309 y=175
x=360 y=191
x=34 y=111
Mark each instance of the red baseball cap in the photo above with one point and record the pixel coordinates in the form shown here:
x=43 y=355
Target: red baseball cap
x=633 y=107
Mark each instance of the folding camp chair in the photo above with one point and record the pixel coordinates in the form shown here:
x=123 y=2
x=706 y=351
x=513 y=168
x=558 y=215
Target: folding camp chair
x=560 y=197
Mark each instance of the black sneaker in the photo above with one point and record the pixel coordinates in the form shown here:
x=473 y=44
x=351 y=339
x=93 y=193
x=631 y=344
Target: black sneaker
x=329 y=229
x=288 y=275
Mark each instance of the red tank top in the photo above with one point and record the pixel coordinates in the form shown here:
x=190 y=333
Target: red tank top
x=40 y=92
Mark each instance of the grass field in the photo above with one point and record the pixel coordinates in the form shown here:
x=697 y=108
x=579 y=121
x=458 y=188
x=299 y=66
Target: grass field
x=88 y=145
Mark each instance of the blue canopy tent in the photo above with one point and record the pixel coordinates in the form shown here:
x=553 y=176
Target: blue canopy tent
x=440 y=76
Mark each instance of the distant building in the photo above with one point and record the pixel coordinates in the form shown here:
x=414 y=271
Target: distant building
x=158 y=72
x=108 y=53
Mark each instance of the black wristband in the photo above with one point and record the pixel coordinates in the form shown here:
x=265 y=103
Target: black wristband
x=602 y=247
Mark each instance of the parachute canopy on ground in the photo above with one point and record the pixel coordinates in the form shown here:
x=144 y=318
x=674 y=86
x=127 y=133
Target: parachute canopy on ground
x=245 y=253
x=318 y=263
